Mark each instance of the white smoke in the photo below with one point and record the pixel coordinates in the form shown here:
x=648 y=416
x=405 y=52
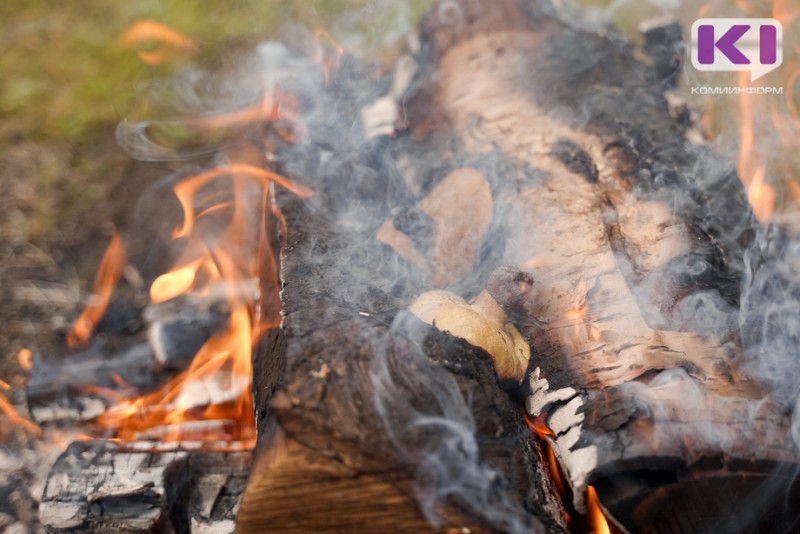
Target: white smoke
x=449 y=467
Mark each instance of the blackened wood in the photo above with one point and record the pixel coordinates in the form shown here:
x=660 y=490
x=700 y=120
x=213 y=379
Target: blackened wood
x=81 y=384
x=327 y=402
x=97 y=487
x=77 y=387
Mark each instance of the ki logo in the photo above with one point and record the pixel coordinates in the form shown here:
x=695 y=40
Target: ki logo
x=754 y=45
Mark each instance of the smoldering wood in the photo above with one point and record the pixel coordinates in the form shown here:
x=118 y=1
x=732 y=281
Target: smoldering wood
x=178 y=328
x=329 y=416
x=605 y=215
x=77 y=386
x=74 y=387
x=96 y=486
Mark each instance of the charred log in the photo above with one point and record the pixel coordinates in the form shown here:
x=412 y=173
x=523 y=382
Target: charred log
x=98 y=487
x=582 y=209
x=369 y=396
x=79 y=385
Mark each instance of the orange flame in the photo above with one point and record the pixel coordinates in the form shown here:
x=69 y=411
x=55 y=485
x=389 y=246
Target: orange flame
x=753 y=165
x=211 y=402
x=166 y=41
x=215 y=387
x=750 y=166
x=16 y=418
x=542 y=432
x=767 y=174
x=595 y=514
x=187 y=189
x=595 y=520
x=174 y=283
x=107 y=275
x=761 y=196
x=24 y=359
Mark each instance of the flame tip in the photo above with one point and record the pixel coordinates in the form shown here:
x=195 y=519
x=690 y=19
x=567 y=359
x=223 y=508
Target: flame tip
x=170 y=42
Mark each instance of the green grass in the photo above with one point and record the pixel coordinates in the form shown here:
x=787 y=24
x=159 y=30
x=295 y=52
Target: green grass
x=64 y=72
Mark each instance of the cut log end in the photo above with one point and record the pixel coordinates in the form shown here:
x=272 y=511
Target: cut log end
x=296 y=489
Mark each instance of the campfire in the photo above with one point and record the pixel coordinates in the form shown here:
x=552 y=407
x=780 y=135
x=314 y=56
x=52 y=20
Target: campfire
x=511 y=280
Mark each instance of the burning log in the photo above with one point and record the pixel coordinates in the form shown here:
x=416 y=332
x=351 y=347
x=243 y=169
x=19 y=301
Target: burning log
x=97 y=486
x=80 y=385
x=604 y=239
